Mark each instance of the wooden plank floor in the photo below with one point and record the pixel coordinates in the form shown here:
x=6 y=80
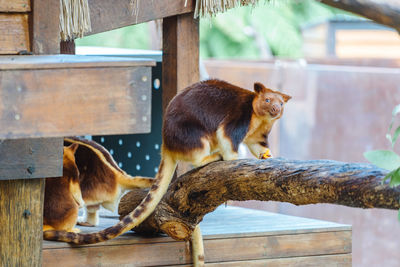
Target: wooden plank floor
x=232 y=237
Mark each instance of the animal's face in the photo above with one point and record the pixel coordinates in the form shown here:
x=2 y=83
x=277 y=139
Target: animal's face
x=69 y=166
x=269 y=102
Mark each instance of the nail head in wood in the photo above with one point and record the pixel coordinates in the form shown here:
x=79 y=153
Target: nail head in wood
x=26 y=214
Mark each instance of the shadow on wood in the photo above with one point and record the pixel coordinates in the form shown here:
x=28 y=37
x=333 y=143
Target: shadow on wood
x=202 y=190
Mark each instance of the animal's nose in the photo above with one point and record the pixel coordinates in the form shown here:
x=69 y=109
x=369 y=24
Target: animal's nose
x=275 y=109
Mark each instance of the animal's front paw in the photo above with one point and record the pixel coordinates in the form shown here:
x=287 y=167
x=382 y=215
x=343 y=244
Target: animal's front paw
x=267 y=154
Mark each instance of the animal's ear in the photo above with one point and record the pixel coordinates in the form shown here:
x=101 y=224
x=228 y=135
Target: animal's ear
x=285 y=97
x=258 y=87
x=73 y=147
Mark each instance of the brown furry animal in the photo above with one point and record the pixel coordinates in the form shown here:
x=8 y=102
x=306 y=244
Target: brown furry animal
x=62 y=197
x=101 y=181
x=204 y=123
x=90 y=178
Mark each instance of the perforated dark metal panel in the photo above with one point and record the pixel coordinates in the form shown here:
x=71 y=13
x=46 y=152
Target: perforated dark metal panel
x=139 y=154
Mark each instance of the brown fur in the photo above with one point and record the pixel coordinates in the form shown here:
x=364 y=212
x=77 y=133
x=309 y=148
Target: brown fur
x=102 y=182
x=62 y=197
x=201 y=112
x=204 y=123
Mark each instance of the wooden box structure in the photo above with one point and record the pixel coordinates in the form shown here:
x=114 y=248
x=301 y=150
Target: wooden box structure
x=232 y=237
x=43 y=98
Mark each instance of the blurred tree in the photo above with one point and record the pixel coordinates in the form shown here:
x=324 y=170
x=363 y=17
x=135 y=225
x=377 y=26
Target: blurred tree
x=245 y=32
x=234 y=34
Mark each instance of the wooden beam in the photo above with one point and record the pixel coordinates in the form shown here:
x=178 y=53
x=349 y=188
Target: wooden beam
x=31 y=158
x=80 y=96
x=21 y=222
x=15 y=6
x=180 y=64
x=14 y=33
x=108 y=15
x=45 y=27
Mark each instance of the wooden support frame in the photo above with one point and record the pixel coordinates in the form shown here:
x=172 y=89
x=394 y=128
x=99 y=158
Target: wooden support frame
x=180 y=64
x=45 y=27
x=31 y=158
x=121 y=13
x=21 y=209
x=21 y=201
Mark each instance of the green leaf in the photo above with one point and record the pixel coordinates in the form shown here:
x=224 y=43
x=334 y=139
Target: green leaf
x=388 y=176
x=389 y=137
x=395 y=135
x=395 y=179
x=396 y=110
x=385 y=159
x=390 y=127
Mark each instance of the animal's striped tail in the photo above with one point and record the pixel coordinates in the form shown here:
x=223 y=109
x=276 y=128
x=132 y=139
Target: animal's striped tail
x=138 y=215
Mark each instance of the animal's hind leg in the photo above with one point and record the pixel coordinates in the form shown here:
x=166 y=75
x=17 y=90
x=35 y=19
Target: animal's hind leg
x=208 y=159
x=92 y=216
x=47 y=227
x=197 y=247
x=204 y=156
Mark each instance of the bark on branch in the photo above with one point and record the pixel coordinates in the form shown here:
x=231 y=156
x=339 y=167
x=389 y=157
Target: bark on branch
x=200 y=191
x=384 y=12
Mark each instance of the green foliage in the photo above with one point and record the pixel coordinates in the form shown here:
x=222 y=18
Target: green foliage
x=234 y=34
x=385 y=159
x=136 y=36
x=388 y=159
x=239 y=33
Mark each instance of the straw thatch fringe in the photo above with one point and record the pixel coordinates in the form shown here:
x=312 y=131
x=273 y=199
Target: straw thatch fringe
x=206 y=8
x=74 y=19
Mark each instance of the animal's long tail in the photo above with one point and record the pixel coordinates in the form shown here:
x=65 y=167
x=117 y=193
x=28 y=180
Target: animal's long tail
x=138 y=215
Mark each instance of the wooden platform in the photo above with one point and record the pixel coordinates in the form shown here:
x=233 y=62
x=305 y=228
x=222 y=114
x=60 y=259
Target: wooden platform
x=232 y=237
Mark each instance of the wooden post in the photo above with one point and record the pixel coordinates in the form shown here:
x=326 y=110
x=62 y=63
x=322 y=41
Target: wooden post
x=45 y=27
x=67 y=47
x=180 y=63
x=21 y=222
x=21 y=201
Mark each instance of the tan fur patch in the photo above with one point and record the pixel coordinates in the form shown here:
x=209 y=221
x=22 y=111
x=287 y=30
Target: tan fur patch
x=225 y=145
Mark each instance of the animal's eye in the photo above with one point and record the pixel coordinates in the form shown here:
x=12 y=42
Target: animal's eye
x=281 y=104
x=267 y=100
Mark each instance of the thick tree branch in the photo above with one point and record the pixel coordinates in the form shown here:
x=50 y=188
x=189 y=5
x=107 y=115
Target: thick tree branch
x=384 y=12
x=202 y=190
